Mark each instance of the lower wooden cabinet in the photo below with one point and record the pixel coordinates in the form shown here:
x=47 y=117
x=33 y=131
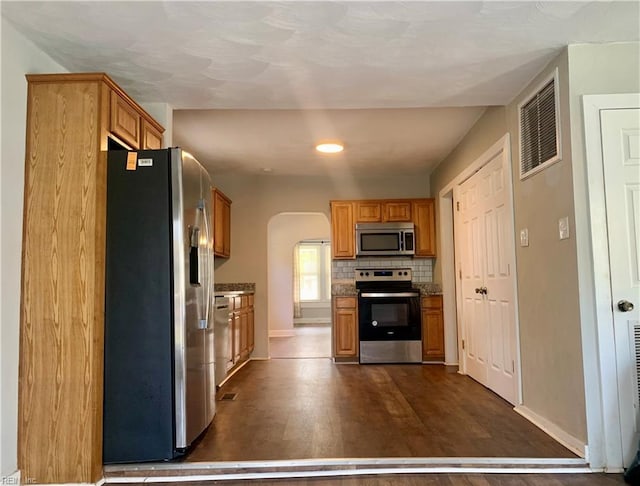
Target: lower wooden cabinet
x=432 y=328
x=242 y=327
x=345 y=327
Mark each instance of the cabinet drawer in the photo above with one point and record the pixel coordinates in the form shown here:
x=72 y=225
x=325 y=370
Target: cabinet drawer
x=345 y=302
x=125 y=121
x=244 y=301
x=432 y=302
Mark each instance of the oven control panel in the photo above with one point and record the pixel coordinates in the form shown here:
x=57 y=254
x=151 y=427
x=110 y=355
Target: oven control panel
x=383 y=275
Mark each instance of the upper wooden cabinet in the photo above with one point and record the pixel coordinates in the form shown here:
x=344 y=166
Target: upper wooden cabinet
x=343 y=242
x=221 y=224
x=125 y=121
x=424 y=220
x=368 y=211
x=383 y=211
x=397 y=211
x=130 y=124
x=70 y=118
x=345 y=214
x=151 y=136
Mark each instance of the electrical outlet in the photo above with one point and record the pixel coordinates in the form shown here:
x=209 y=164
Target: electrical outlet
x=524 y=237
x=563 y=228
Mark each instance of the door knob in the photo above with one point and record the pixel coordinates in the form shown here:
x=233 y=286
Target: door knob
x=478 y=290
x=483 y=290
x=625 y=306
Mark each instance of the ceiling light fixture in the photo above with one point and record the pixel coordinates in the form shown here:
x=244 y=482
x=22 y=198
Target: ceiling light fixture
x=330 y=147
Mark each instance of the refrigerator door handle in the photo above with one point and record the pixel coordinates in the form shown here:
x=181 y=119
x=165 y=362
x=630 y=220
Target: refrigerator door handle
x=208 y=284
x=194 y=256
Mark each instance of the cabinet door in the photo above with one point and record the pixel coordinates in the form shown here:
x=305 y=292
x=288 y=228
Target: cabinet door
x=221 y=224
x=244 y=334
x=368 y=212
x=151 y=138
x=250 y=325
x=236 y=337
x=432 y=329
x=424 y=220
x=397 y=211
x=345 y=327
x=346 y=332
x=125 y=121
x=226 y=224
x=342 y=230
x=231 y=352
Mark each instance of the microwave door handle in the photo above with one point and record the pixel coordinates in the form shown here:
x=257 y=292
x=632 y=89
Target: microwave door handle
x=402 y=241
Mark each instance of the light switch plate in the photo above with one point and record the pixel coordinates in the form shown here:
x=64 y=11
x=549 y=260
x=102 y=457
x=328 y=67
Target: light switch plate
x=563 y=228
x=524 y=237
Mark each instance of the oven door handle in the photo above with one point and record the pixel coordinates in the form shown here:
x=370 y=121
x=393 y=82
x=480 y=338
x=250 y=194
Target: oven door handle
x=390 y=294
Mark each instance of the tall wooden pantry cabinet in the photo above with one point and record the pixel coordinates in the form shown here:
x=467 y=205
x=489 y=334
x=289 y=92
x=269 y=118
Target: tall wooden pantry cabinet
x=71 y=121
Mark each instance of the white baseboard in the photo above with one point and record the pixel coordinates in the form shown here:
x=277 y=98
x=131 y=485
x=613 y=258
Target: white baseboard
x=570 y=442
x=312 y=320
x=281 y=333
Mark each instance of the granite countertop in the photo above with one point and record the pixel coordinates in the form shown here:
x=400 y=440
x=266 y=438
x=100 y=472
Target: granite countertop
x=428 y=288
x=234 y=288
x=348 y=289
x=344 y=289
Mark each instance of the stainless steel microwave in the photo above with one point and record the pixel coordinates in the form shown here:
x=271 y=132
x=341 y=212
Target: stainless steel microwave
x=385 y=239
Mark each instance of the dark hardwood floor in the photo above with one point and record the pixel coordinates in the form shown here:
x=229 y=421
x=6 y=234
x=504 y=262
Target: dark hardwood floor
x=313 y=408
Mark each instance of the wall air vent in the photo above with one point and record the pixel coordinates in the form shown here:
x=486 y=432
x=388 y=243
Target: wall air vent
x=636 y=374
x=540 y=128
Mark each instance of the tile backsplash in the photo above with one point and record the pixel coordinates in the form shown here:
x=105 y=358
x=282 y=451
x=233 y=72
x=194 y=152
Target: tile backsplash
x=422 y=268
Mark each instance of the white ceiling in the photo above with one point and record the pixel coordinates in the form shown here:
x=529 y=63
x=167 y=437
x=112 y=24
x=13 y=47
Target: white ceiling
x=319 y=55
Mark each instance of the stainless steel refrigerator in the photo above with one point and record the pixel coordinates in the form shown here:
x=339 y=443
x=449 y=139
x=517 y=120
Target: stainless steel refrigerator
x=159 y=389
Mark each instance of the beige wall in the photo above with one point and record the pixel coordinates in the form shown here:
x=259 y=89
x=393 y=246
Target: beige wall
x=548 y=300
x=547 y=270
x=19 y=57
x=256 y=199
x=488 y=129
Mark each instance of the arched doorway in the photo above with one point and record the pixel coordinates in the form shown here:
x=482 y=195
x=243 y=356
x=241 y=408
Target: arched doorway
x=308 y=335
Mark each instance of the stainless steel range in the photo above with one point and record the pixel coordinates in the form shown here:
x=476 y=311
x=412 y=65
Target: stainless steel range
x=389 y=316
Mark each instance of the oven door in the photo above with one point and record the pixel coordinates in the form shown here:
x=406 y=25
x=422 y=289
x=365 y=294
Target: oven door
x=389 y=316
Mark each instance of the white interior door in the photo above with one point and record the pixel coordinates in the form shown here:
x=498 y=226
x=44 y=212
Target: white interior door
x=621 y=155
x=498 y=280
x=487 y=283
x=471 y=243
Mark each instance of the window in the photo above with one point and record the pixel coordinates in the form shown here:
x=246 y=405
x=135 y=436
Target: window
x=314 y=270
